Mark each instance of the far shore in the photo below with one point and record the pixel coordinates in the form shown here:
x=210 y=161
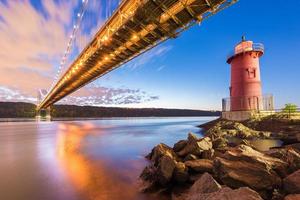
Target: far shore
x=98 y=118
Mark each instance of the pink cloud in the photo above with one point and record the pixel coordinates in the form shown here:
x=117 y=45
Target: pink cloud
x=32 y=43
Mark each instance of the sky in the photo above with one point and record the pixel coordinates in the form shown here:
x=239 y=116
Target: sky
x=187 y=72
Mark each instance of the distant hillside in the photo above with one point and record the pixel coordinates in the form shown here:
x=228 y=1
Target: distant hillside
x=16 y=110
x=19 y=109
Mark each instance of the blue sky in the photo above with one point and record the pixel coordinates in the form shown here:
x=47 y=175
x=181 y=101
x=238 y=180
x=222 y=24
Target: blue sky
x=191 y=70
x=195 y=73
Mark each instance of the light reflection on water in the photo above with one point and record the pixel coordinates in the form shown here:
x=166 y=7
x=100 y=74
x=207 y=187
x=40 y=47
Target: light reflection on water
x=98 y=159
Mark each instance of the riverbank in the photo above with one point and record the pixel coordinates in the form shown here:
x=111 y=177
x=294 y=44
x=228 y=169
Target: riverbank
x=28 y=110
x=224 y=164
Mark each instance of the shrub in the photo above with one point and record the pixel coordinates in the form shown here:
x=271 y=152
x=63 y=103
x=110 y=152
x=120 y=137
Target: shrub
x=290 y=108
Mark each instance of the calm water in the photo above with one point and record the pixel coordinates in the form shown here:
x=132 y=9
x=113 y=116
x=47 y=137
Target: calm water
x=98 y=159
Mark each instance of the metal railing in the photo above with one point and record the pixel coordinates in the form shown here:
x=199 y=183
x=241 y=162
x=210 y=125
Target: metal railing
x=255 y=47
x=259 y=103
x=287 y=113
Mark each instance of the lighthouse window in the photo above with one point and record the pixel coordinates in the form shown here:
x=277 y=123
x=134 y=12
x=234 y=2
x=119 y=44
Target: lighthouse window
x=251 y=72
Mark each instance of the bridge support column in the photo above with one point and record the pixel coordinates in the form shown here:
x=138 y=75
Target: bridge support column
x=44 y=114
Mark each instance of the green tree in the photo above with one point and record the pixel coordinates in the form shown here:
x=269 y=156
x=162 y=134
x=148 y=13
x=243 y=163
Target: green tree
x=290 y=108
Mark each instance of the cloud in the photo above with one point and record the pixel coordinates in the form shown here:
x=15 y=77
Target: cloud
x=98 y=95
x=33 y=39
x=7 y=94
x=161 y=68
x=149 y=56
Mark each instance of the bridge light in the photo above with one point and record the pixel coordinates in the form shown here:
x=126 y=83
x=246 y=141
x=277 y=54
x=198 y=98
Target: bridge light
x=164 y=16
x=134 y=37
x=105 y=38
x=105 y=58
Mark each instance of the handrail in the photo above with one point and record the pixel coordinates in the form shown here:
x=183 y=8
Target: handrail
x=255 y=47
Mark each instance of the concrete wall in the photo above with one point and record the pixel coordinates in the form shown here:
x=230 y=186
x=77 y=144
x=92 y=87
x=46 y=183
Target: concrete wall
x=244 y=115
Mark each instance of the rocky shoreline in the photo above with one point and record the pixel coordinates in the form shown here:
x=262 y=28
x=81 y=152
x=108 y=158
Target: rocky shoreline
x=224 y=165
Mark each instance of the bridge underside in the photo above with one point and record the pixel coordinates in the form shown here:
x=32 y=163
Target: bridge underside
x=135 y=27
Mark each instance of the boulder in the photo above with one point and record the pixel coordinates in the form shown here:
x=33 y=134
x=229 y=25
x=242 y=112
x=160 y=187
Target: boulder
x=181 y=174
x=289 y=155
x=205 y=184
x=295 y=146
x=291 y=183
x=292 y=197
x=159 y=151
x=219 y=142
x=190 y=157
x=148 y=187
x=243 y=131
x=149 y=173
x=165 y=169
x=276 y=194
x=208 y=154
x=200 y=165
x=235 y=129
x=195 y=146
x=180 y=145
x=244 y=166
x=291 y=138
x=243 y=193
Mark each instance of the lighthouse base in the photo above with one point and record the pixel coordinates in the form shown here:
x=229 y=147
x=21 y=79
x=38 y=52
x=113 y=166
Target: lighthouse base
x=245 y=115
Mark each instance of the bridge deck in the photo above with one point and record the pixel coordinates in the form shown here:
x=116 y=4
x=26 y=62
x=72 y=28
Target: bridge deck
x=135 y=27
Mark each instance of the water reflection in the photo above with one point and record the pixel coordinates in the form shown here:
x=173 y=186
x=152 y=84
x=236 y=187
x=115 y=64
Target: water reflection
x=92 y=178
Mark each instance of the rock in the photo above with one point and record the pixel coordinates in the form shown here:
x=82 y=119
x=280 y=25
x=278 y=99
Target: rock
x=291 y=138
x=149 y=173
x=208 y=154
x=292 y=197
x=165 y=169
x=200 y=165
x=181 y=174
x=159 y=151
x=291 y=183
x=194 y=177
x=195 y=146
x=289 y=155
x=276 y=195
x=244 y=166
x=179 y=191
x=205 y=184
x=180 y=145
x=235 y=129
x=226 y=193
x=219 y=142
x=190 y=157
x=295 y=146
x=148 y=186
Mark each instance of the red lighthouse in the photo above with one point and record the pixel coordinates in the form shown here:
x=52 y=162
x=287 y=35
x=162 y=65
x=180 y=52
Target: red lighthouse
x=246 y=99
x=245 y=88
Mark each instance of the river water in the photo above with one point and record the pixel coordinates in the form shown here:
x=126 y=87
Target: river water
x=79 y=160
x=97 y=159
